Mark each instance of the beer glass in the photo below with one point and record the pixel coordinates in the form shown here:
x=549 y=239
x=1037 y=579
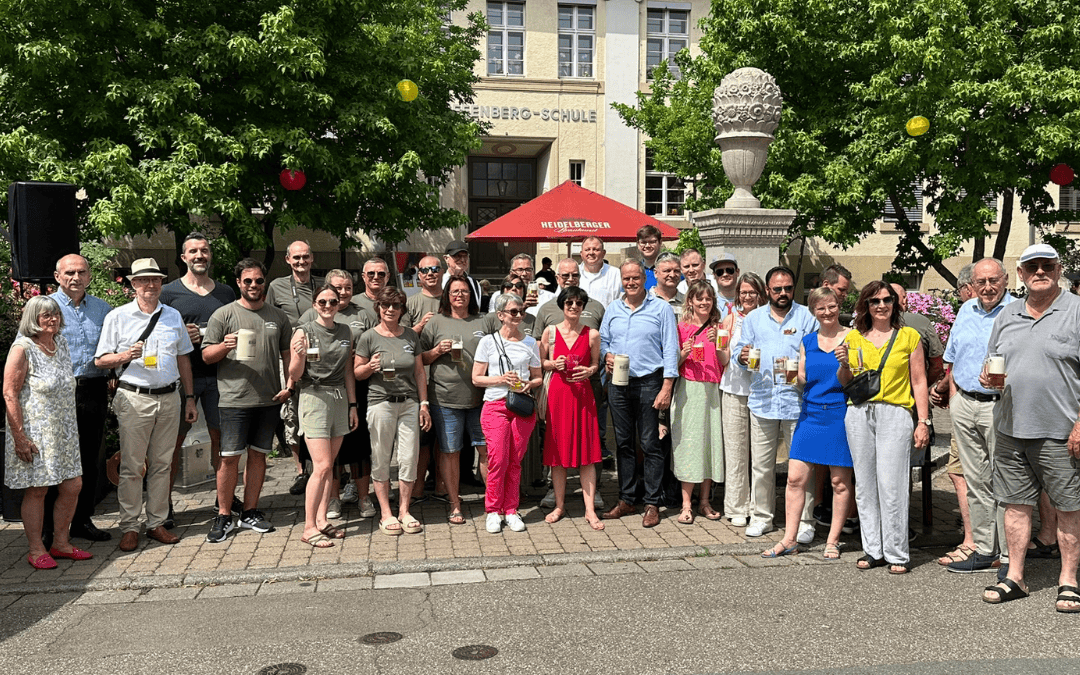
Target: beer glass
x=995 y=371
x=456 y=345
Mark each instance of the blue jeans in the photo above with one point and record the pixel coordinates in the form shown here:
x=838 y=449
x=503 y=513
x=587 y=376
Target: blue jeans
x=634 y=417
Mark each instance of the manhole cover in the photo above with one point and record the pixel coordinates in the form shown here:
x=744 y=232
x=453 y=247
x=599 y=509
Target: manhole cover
x=384 y=638
x=284 y=669
x=474 y=652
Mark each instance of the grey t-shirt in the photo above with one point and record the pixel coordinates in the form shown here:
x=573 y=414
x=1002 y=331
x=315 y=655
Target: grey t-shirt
x=1042 y=369
x=291 y=297
x=249 y=384
x=352 y=316
x=491 y=323
x=404 y=350
x=367 y=308
x=419 y=305
x=335 y=354
x=550 y=314
x=449 y=383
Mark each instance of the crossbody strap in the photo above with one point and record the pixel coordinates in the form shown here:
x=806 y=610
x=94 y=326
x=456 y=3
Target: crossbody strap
x=145 y=334
x=885 y=357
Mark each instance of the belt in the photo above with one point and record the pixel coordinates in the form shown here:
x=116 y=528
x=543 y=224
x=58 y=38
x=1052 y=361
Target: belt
x=981 y=398
x=147 y=390
x=397 y=399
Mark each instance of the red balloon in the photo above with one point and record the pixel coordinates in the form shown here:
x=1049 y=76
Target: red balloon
x=292 y=180
x=1061 y=174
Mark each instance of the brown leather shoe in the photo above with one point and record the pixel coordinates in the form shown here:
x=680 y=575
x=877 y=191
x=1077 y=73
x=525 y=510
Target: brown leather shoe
x=129 y=542
x=651 y=517
x=159 y=533
x=621 y=509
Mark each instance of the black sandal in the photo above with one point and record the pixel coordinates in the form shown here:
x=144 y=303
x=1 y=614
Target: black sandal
x=899 y=568
x=870 y=562
x=1068 y=594
x=1042 y=550
x=1012 y=591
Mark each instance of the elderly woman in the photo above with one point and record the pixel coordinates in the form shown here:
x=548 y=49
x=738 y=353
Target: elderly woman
x=697 y=434
x=449 y=340
x=42 y=443
x=388 y=356
x=327 y=408
x=506 y=359
x=572 y=436
x=735 y=388
x=820 y=436
x=879 y=431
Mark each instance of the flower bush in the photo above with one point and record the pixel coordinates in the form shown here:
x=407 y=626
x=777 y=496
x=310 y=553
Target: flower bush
x=940 y=311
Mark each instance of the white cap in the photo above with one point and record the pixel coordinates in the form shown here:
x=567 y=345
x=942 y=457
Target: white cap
x=1038 y=251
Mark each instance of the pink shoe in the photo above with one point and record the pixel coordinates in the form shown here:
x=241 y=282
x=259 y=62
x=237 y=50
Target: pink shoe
x=76 y=554
x=42 y=562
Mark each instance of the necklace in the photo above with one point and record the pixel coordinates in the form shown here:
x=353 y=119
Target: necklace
x=45 y=349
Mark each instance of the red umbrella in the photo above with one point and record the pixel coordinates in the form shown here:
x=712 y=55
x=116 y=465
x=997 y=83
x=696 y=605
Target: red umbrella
x=569 y=212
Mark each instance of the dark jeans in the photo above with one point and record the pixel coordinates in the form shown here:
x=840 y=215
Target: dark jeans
x=634 y=417
x=91 y=407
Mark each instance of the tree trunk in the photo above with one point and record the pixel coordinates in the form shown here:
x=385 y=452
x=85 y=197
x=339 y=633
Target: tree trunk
x=912 y=230
x=268 y=258
x=978 y=252
x=1005 y=229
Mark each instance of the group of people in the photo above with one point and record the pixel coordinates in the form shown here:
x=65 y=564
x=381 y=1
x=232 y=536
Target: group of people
x=706 y=379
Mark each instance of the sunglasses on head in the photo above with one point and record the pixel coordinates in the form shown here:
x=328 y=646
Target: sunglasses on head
x=514 y=312
x=375 y=275
x=258 y=282
x=881 y=301
x=332 y=302
x=430 y=270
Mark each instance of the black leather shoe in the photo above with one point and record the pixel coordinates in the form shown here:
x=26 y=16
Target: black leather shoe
x=299 y=485
x=90 y=531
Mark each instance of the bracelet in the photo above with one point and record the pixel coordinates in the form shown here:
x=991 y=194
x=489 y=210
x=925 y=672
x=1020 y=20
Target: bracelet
x=352 y=405
x=425 y=403
x=191 y=396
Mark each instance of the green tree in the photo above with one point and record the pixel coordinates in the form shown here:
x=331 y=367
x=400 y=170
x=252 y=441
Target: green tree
x=997 y=79
x=169 y=109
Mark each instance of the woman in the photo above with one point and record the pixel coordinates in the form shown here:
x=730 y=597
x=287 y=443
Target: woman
x=42 y=442
x=449 y=340
x=879 y=431
x=388 y=356
x=697 y=436
x=510 y=284
x=735 y=385
x=327 y=406
x=820 y=436
x=572 y=436
x=506 y=432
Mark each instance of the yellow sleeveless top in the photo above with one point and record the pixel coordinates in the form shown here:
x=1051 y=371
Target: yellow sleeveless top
x=895 y=376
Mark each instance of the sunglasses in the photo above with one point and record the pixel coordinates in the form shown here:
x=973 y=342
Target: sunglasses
x=782 y=289
x=514 y=312
x=514 y=286
x=393 y=306
x=430 y=270
x=1033 y=267
x=564 y=277
x=375 y=275
x=721 y=271
x=573 y=303
x=460 y=291
x=332 y=302
x=258 y=282
x=881 y=301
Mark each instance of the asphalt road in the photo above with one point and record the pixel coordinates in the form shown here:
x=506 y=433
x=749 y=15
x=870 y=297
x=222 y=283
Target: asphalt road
x=821 y=618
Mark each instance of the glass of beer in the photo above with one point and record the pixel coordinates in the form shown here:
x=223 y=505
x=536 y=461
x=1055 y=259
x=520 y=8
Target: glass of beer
x=855 y=361
x=722 y=338
x=697 y=352
x=533 y=289
x=779 y=364
x=791 y=370
x=312 y=348
x=753 y=360
x=389 y=368
x=456 y=345
x=995 y=371
x=150 y=353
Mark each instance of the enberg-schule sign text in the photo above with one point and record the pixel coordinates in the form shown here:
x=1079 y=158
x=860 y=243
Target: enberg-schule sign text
x=494 y=112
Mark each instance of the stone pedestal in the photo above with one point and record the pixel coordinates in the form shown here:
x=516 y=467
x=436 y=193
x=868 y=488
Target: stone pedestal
x=753 y=236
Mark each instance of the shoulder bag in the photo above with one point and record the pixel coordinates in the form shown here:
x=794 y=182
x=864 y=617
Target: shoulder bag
x=867 y=384
x=517 y=402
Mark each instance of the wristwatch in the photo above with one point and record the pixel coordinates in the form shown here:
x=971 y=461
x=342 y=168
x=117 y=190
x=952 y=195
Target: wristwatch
x=927 y=422
x=191 y=396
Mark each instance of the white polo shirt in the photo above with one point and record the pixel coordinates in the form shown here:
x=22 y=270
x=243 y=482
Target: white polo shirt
x=604 y=286
x=126 y=323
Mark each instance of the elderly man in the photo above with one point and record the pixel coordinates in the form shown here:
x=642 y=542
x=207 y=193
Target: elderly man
x=196 y=296
x=642 y=327
x=83 y=317
x=600 y=280
x=149 y=343
x=376 y=274
x=421 y=306
x=777 y=330
x=457 y=262
x=693 y=268
x=648 y=244
x=521 y=267
x=667 y=282
x=1038 y=433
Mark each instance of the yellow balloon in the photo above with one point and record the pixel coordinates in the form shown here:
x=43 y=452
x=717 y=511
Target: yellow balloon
x=408 y=90
x=918 y=125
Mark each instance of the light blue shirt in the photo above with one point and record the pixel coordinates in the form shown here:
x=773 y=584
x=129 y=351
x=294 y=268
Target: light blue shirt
x=768 y=399
x=967 y=343
x=82 y=329
x=648 y=335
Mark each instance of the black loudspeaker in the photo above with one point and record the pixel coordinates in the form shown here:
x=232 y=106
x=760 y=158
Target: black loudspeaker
x=43 y=227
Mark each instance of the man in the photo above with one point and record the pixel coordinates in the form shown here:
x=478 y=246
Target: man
x=648 y=244
x=196 y=296
x=521 y=267
x=972 y=408
x=83 y=317
x=1038 y=433
x=931 y=341
x=293 y=295
x=838 y=279
x=777 y=330
x=642 y=327
x=693 y=269
x=149 y=343
x=423 y=305
x=667 y=270
x=546 y=273
x=726 y=271
x=376 y=273
x=600 y=280
x=457 y=262
x=250 y=393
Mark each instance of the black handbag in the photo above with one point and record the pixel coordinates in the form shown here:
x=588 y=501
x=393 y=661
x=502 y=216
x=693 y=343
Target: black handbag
x=867 y=384
x=519 y=403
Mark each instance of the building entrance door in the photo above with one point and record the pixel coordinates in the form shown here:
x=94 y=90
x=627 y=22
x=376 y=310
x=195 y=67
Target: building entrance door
x=497 y=186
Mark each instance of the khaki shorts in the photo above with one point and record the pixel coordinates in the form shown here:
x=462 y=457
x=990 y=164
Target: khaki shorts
x=324 y=412
x=953 y=467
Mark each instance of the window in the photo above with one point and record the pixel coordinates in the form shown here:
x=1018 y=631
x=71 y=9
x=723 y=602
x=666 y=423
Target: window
x=501 y=179
x=664 y=192
x=506 y=40
x=577 y=36
x=668 y=32
x=577 y=171
x=914 y=213
x=1068 y=198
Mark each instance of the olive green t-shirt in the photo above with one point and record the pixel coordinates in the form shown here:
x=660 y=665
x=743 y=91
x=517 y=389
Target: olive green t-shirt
x=419 y=305
x=367 y=308
x=352 y=316
x=491 y=323
x=404 y=350
x=335 y=354
x=450 y=384
x=249 y=384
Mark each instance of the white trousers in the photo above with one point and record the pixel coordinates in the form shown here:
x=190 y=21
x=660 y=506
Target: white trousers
x=879 y=435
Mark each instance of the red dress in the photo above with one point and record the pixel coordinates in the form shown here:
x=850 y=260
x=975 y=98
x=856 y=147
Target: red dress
x=572 y=437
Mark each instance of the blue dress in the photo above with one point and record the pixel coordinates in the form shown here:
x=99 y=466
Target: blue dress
x=820 y=436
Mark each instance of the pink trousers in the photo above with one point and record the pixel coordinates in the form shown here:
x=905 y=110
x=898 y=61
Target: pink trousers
x=507 y=440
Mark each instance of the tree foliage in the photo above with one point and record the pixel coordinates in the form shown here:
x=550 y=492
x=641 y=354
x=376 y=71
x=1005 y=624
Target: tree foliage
x=997 y=79
x=167 y=109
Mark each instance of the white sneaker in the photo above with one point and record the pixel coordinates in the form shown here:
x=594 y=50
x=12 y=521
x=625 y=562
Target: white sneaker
x=597 y=501
x=494 y=523
x=739 y=521
x=548 y=502
x=349 y=495
x=367 y=509
x=806 y=534
x=758 y=528
x=514 y=522
x=333 y=509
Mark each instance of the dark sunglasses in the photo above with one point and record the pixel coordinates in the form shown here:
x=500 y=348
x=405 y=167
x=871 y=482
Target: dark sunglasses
x=393 y=305
x=514 y=312
x=1033 y=267
x=782 y=289
x=258 y=282
x=573 y=303
x=332 y=302
x=881 y=301
x=518 y=285
x=721 y=271
x=375 y=275
x=430 y=270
